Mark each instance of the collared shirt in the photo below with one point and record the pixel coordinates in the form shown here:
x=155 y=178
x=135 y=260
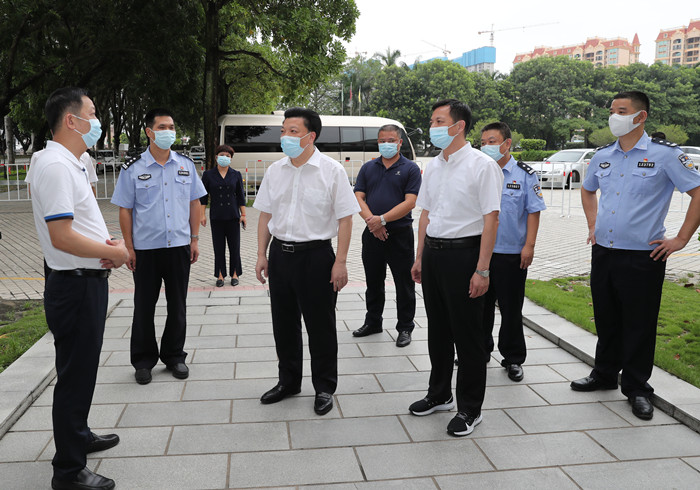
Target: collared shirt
x=458 y=192
x=89 y=164
x=226 y=194
x=385 y=188
x=635 y=191
x=306 y=202
x=60 y=190
x=159 y=197
x=521 y=196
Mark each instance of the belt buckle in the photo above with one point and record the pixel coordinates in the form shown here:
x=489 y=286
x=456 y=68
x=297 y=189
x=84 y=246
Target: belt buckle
x=288 y=247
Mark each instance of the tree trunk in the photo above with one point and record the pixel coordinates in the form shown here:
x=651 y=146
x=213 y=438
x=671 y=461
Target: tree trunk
x=211 y=82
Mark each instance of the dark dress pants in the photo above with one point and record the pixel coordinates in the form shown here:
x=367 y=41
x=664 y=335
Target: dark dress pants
x=507 y=286
x=153 y=267
x=75 y=309
x=225 y=232
x=626 y=287
x=454 y=321
x=300 y=285
x=396 y=252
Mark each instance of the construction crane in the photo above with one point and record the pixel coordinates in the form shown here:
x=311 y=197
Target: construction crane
x=513 y=28
x=444 y=50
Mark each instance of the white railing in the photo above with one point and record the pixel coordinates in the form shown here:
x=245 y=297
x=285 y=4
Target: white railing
x=12 y=184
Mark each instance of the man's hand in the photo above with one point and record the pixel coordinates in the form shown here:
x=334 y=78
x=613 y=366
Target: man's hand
x=203 y=222
x=339 y=276
x=381 y=233
x=261 y=269
x=416 y=271
x=194 y=250
x=591 y=236
x=526 y=256
x=667 y=247
x=374 y=223
x=131 y=261
x=478 y=285
x=121 y=255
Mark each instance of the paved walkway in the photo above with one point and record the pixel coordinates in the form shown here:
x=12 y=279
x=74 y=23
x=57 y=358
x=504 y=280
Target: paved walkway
x=210 y=431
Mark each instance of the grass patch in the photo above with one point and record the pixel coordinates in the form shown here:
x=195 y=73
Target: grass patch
x=22 y=323
x=677 y=334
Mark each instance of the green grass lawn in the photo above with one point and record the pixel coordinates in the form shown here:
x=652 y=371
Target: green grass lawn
x=20 y=328
x=678 y=333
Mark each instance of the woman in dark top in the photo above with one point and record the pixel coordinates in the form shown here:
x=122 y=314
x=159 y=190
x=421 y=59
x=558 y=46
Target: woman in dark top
x=224 y=186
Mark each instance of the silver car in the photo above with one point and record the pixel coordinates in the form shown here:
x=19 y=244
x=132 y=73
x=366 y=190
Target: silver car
x=563 y=168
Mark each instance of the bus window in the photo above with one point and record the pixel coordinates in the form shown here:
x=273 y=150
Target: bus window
x=371 y=135
x=352 y=139
x=329 y=141
x=253 y=139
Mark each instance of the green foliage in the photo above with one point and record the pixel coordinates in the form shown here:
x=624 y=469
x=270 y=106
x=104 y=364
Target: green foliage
x=533 y=144
x=535 y=155
x=673 y=132
x=601 y=137
x=19 y=330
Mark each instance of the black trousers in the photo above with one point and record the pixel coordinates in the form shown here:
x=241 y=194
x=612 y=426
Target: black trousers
x=300 y=285
x=397 y=253
x=75 y=309
x=626 y=287
x=226 y=232
x=507 y=286
x=454 y=321
x=153 y=267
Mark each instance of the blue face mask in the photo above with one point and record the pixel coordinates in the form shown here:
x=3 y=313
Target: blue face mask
x=388 y=150
x=223 y=161
x=440 y=138
x=91 y=137
x=164 y=138
x=291 y=145
x=493 y=151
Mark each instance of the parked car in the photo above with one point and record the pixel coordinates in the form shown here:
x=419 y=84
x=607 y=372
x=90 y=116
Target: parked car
x=106 y=161
x=197 y=153
x=694 y=153
x=563 y=168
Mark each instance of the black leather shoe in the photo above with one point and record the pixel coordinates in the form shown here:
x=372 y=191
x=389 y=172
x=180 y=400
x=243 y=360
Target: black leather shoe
x=589 y=383
x=365 y=330
x=143 y=376
x=102 y=443
x=403 y=339
x=323 y=403
x=85 y=480
x=515 y=371
x=219 y=283
x=277 y=394
x=234 y=281
x=180 y=370
x=642 y=407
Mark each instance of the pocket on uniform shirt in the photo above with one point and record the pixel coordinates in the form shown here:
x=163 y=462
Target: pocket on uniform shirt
x=644 y=180
x=603 y=176
x=182 y=187
x=316 y=202
x=146 y=192
x=511 y=198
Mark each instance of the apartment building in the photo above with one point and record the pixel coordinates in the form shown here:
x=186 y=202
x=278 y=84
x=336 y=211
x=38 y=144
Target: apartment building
x=679 y=45
x=599 y=51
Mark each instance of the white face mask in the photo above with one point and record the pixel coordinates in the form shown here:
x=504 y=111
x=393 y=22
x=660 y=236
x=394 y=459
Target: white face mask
x=621 y=125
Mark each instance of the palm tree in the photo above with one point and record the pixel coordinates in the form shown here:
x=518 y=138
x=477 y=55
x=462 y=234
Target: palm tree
x=390 y=57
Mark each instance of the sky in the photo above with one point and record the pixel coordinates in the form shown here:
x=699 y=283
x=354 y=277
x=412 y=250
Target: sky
x=422 y=29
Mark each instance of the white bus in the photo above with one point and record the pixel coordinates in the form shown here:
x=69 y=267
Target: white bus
x=255 y=138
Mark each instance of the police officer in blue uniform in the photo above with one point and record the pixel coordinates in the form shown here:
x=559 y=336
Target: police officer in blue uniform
x=521 y=203
x=158 y=195
x=636 y=176
x=386 y=189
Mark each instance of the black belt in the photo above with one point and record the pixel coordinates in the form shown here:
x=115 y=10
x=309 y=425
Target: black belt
x=291 y=247
x=467 y=242
x=83 y=272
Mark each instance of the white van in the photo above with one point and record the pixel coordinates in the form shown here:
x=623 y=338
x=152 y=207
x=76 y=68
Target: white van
x=351 y=140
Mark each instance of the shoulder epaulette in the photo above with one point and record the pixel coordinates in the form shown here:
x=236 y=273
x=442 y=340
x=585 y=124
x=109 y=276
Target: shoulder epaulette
x=604 y=146
x=129 y=161
x=662 y=141
x=526 y=167
x=184 y=156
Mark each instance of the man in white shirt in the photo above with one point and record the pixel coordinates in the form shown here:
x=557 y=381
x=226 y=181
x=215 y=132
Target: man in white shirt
x=461 y=199
x=304 y=200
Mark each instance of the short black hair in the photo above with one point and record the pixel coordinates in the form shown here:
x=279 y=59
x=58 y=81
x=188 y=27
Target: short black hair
x=392 y=128
x=658 y=134
x=459 y=111
x=224 y=149
x=150 y=118
x=639 y=99
x=500 y=127
x=62 y=101
x=312 y=121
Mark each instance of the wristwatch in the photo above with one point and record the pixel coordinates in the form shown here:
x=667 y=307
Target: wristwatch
x=383 y=221
x=483 y=273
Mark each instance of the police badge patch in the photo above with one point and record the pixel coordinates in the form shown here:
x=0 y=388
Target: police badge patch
x=144 y=176
x=686 y=161
x=537 y=189
x=604 y=165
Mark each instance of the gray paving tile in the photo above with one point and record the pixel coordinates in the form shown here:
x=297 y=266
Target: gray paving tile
x=666 y=441
x=292 y=408
x=421 y=459
x=558 y=418
x=377 y=403
x=407 y=484
x=374 y=365
x=213 y=342
x=235 y=309
x=234 y=355
x=23 y=446
x=411 y=381
x=534 y=341
x=303 y=467
x=694 y=462
x=346 y=432
x=624 y=410
x=228 y=438
x=144 y=441
x=434 y=427
x=255 y=318
x=226 y=390
x=171 y=472
x=421 y=363
x=345 y=337
x=377 y=349
x=666 y=473
x=498 y=376
x=39 y=418
x=135 y=393
x=531 y=451
x=115 y=332
x=561 y=393
x=256 y=340
x=22 y=476
x=535 y=479
x=572 y=371
x=549 y=356
x=352 y=305
x=180 y=413
x=235 y=329
x=511 y=396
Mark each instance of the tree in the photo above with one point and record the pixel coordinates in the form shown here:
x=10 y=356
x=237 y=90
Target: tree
x=389 y=57
x=673 y=132
x=601 y=137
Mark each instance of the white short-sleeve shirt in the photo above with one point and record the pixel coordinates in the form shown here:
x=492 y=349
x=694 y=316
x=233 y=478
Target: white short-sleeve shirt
x=60 y=189
x=458 y=192
x=306 y=202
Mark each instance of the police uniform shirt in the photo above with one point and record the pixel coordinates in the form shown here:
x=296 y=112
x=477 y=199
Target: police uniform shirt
x=385 y=188
x=636 y=189
x=306 y=202
x=458 y=193
x=159 y=197
x=60 y=190
x=521 y=196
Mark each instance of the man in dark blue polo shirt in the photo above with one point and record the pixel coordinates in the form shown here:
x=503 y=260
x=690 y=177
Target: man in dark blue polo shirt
x=387 y=188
